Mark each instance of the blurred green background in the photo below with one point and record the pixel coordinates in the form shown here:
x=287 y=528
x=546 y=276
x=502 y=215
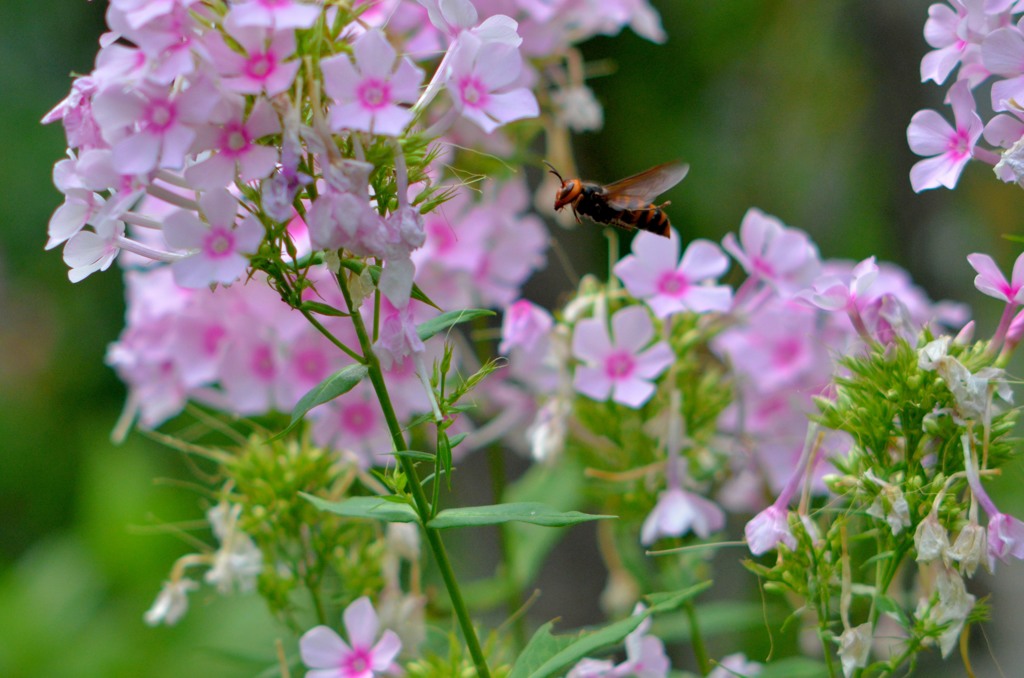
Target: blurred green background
x=799 y=108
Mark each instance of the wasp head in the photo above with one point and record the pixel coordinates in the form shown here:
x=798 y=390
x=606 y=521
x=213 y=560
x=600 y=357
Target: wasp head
x=569 y=191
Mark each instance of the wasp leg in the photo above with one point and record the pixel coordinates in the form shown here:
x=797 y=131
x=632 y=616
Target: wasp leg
x=576 y=214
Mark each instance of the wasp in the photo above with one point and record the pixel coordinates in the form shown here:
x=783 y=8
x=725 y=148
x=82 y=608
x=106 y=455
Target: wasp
x=627 y=203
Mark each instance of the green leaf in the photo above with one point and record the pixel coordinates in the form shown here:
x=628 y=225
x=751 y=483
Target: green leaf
x=495 y=514
x=375 y=508
x=559 y=486
x=342 y=381
x=547 y=655
x=442 y=322
x=322 y=309
x=414 y=454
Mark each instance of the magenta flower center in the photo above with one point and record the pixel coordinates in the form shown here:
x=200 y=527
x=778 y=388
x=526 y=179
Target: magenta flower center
x=219 y=243
x=262 y=363
x=374 y=94
x=212 y=338
x=259 y=66
x=358 y=419
x=673 y=284
x=959 y=145
x=619 y=365
x=311 y=364
x=356 y=664
x=441 y=235
x=786 y=351
x=160 y=115
x=234 y=139
x=472 y=92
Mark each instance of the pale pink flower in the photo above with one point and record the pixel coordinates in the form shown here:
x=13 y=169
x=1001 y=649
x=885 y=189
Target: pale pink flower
x=364 y=656
x=765 y=531
x=482 y=82
x=235 y=153
x=619 y=366
x=141 y=12
x=150 y=127
x=645 y=657
x=353 y=425
x=655 y=273
x=736 y=666
x=1003 y=54
x=949 y=148
x=279 y=14
x=249 y=373
x=679 y=512
x=367 y=91
x=169 y=47
x=219 y=245
x=75 y=113
x=991 y=281
x=524 y=325
x=398 y=338
x=942 y=31
x=832 y=293
x=265 y=66
x=89 y=251
x=768 y=250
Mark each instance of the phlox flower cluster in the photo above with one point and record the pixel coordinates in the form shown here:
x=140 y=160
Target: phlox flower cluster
x=977 y=51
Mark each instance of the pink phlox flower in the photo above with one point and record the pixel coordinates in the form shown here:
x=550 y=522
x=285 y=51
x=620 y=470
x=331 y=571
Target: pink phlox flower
x=452 y=241
x=482 y=82
x=140 y=12
x=887 y=318
x=1003 y=54
x=80 y=179
x=89 y=251
x=364 y=656
x=778 y=346
x=832 y=293
x=608 y=18
x=152 y=127
x=1007 y=131
x=451 y=17
x=955 y=31
x=679 y=512
x=524 y=325
x=645 y=657
x=367 y=91
x=769 y=528
x=354 y=427
x=655 y=273
x=991 y=281
x=404 y=230
x=279 y=14
x=768 y=250
x=218 y=244
x=264 y=67
x=248 y=374
x=948 y=149
x=307 y=361
x=170 y=46
x=341 y=217
x=1005 y=538
x=234 y=151
x=75 y=113
x=514 y=249
x=398 y=338
x=619 y=365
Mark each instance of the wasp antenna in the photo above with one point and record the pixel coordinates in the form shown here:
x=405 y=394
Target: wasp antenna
x=551 y=168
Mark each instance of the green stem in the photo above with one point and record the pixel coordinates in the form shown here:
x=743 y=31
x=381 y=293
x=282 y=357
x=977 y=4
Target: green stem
x=419 y=496
x=697 y=640
x=330 y=337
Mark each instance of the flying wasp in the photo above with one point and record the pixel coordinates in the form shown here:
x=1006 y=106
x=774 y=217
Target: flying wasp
x=627 y=203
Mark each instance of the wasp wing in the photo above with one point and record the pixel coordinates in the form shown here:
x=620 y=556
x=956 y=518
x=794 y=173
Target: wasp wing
x=641 y=189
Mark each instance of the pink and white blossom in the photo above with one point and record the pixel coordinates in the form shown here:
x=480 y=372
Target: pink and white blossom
x=678 y=513
x=264 y=67
x=948 y=148
x=218 y=246
x=363 y=656
x=367 y=90
x=232 y=143
x=655 y=273
x=482 y=82
x=619 y=365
